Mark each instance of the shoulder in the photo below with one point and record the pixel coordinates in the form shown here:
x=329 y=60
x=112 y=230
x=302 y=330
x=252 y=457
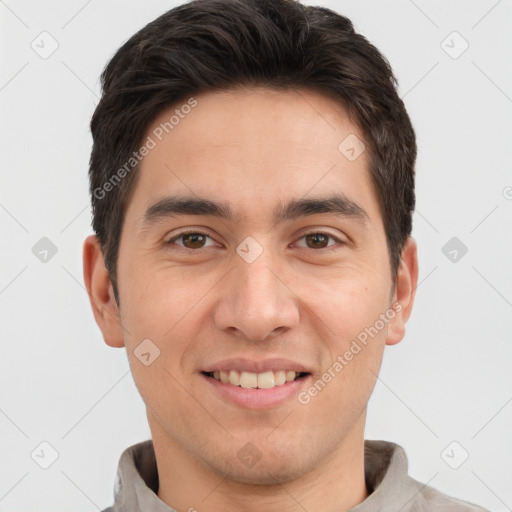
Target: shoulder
x=386 y=472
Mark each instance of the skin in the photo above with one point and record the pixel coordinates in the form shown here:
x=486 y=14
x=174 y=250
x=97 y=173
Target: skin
x=254 y=148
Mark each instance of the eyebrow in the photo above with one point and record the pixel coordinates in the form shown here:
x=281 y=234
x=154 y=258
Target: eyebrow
x=173 y=206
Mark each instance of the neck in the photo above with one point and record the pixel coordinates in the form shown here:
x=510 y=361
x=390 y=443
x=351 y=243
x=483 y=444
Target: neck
x=337 y=484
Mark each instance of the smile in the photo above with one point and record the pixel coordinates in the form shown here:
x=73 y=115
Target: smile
x=251 y=380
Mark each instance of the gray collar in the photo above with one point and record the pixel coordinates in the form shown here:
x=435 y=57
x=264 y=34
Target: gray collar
x=386 y=475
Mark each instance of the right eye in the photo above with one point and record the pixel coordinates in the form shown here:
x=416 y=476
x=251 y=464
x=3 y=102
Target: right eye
x=191 y=240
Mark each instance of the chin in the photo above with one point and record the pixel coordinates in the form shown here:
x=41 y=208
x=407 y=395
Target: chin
x=269 y=467
x=263 y=474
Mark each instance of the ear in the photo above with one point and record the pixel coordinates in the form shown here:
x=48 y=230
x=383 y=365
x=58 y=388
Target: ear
x=405 y=291
x=101 y=293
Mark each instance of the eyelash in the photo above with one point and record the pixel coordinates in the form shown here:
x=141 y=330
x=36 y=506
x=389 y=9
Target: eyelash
x=193 y=231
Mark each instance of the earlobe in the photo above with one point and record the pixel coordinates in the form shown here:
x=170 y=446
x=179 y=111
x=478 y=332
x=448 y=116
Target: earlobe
x=101 y=295
x=405 y=291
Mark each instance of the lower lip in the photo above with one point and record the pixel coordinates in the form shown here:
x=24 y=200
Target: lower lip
x=256 y=398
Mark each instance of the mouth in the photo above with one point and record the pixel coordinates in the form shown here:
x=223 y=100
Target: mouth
x=256 y=391
x=252 y=380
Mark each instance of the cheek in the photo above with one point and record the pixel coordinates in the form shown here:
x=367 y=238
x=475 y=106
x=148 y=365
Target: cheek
x=168 y=308
x=158 y=299
x=164 y=311
x=353 y=359
x=349 y=320
x=347 y=302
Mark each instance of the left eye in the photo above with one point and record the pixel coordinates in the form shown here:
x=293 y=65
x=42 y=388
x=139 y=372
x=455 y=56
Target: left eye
x=319 y=240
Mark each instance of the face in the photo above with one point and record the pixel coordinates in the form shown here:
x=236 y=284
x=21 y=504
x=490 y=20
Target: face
x=282 y=270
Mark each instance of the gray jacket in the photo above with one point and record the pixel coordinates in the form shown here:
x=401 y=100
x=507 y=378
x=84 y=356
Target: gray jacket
x=386 y=472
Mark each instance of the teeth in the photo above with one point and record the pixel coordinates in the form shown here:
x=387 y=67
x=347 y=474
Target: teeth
x=234 y=378
x=279 y=377
x=265 y=380
x=250 y=380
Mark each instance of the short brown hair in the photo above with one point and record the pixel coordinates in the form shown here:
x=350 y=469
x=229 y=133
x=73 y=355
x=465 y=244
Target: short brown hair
x=207 y=45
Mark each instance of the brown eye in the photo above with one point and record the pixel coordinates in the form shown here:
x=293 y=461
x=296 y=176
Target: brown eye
x=190 y=240
x=318 y=240
x=193 y=240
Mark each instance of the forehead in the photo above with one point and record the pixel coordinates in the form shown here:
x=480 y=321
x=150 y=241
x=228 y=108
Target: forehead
x=255 y=148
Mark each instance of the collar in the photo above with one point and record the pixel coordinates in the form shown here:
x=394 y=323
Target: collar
x=386 y=475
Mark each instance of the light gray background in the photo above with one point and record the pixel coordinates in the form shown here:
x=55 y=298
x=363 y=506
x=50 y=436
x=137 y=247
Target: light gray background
x=449 y=380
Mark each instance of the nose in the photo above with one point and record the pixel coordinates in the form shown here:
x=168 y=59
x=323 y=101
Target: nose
x=255 y=302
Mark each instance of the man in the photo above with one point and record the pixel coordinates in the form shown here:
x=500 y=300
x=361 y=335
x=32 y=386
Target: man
x=252 y=181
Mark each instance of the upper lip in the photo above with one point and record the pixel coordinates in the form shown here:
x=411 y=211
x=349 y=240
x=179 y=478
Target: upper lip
x=257 y=365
